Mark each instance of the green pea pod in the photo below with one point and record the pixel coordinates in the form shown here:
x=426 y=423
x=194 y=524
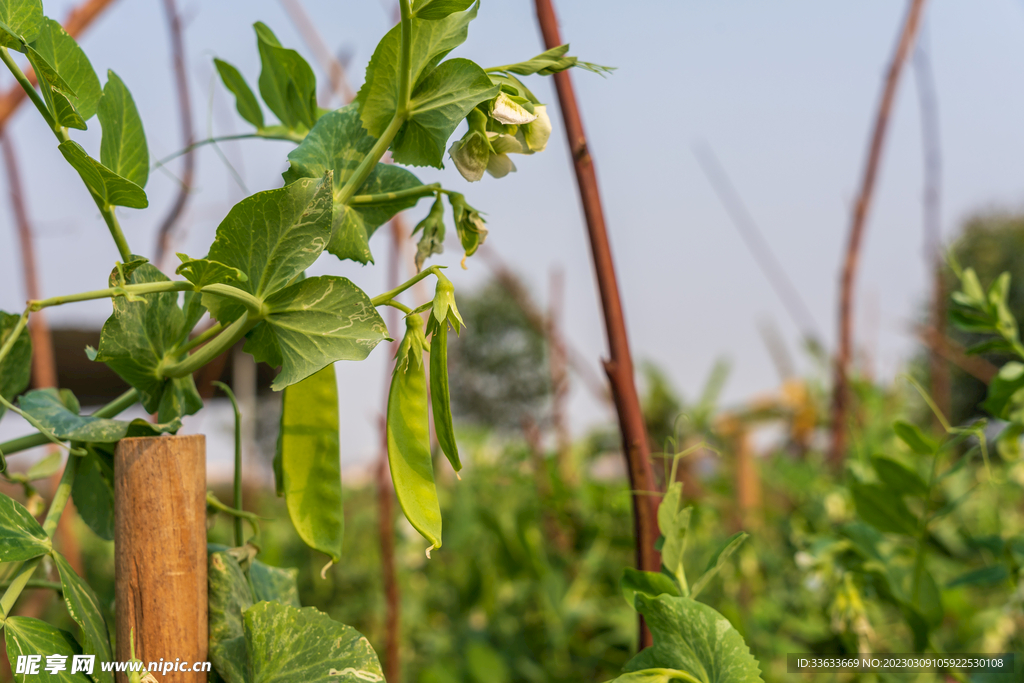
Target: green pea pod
x=308 y=461
x=439 y=394
x=409 y=436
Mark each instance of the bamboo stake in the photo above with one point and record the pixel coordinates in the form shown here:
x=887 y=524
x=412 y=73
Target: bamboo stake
x=160 y=564
x=841 y=383
x=619 y=365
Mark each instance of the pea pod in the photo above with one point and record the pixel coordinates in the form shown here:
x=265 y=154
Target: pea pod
x=308 y=462
x=440 y=396
x=408 y=434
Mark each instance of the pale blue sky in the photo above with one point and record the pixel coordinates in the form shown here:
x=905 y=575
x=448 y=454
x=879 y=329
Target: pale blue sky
x=783 y=91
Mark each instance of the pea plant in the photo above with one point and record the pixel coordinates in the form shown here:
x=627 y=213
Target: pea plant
x=251 y=286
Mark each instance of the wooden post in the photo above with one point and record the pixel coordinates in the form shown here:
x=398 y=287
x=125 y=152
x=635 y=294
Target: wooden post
x=160 y=552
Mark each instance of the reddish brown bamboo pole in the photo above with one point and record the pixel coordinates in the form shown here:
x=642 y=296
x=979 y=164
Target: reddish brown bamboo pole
x=619 y=365
x=160 y=563
x=78 y=20
x=187 y=134
x=841 y=386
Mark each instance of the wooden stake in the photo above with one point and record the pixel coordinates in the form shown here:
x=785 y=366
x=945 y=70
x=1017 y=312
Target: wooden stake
x=160 y=559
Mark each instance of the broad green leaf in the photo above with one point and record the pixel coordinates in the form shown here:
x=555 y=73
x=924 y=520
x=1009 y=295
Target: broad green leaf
x=898 y=477
x=651 y=584
x=439 y=9
x=28 y=636
x=16 y=366
x=440 y=396
x=439 y=104
x=431 y=42
x=338 y=143
x=202 y=272
x=274 y=583
x=914 y=437
x=21 y=537
x=877 y=506
x=286 y=644
x=57 y=94
x=20 y=22
x=245 y=100
x=45 y=467
x=673 y=524
x=718 y=561
x=310 y=454
x=654 y=676
x=692 y=637
x=1004 y=392
x=123 y=148
x=986 y=576
x=106 y=186
x=64 y=56
x=84 y=607
x=287 y=82
x=271 y=237
x=46 y=406
x=312 y=324
x=93 y=490
x=408 y=436
x=139 y=336
x=229 y=597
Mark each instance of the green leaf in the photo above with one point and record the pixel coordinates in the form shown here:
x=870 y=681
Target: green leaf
x=651 y=584
x=28 y=636
x=229 y=597
x=139 y=336
x=47 y=467
x=287 y=82
x=202 y=272
x=1003 y=390
x=440 y=397
x=46 y=406
x=551 y=62
x=106 y=186
x=439 y=9
x=245 y=101
x=16 y=366
x=898 y=477
x=877 y=506
x=123 y=148
x=62 y=54
x=93 y=490
x=986 y=576
x=431 y=41
x=312 y=324
x=673 y=524
x=84 y=607
x=287 y=644
x=408 y=436
x=439 y=104
x=20 y=22
x=718 y=561
x=338 y=143
x=21 y=537
x=914 y=438
x=310 y=454
x=274 y=583
x=271 y=237
x=692 y=637
x=654 y=676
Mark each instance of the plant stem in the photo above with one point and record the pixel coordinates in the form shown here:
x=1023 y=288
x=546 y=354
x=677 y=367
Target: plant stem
x=382 y=299
x=201 y=338
x=421 y=191
x=405 y=59
x=224 y=341
x=57 y=505
x=400 y=306
x=253 y=305
x=39 y=583
x=110 y=292
x=239 y=540
x=29 y=89
x=110 y=218
x=252 y=518
x=211 y=141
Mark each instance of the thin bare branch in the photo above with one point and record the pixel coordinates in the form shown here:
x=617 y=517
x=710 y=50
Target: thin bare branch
x=841 y=388
x=187 y=133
